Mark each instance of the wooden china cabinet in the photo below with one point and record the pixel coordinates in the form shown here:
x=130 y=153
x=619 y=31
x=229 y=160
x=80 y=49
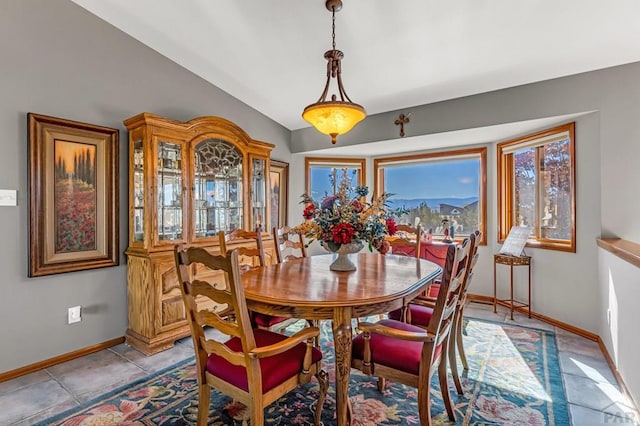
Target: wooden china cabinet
x=187 y=181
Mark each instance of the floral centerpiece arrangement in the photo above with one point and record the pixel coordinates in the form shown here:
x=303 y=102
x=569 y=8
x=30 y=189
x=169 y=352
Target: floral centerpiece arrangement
x=346 y=217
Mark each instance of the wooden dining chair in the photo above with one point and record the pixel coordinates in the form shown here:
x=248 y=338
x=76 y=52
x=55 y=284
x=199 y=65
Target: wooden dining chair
x=408 y=354
x=287 y=248
x=421 y=309
x=457 y=345
x=254 y=366
x=251 y=252
x=407 y=241
x=249 y=245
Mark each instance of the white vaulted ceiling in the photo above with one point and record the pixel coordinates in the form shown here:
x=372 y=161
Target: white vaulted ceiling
x=398 y=54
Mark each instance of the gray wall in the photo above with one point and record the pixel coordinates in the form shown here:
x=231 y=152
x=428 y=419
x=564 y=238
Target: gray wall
x=58 y=59
x=579 y=288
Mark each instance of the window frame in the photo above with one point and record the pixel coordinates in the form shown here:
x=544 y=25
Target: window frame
x=337 y=162
x=481 y=152
x=506 y=190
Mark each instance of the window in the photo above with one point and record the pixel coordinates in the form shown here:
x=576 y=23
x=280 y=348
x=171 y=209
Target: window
x=536 y=188
x=436 y=187
x=319 y=172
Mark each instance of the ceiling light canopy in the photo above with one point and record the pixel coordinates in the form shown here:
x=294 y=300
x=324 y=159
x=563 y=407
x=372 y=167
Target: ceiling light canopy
x=334 y=117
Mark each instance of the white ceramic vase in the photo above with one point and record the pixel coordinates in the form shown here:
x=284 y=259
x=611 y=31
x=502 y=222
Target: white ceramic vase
x=343 y=262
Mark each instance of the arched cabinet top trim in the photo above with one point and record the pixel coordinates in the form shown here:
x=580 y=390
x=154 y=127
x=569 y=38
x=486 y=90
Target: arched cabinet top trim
x=200 y=127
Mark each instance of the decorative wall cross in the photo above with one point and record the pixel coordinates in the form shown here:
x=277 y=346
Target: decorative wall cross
x=401 y=121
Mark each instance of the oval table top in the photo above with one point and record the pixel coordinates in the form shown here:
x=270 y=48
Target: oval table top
x=308 y=282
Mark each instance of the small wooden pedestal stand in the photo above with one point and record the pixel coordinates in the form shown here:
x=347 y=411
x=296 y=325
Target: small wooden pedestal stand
x=512 y=261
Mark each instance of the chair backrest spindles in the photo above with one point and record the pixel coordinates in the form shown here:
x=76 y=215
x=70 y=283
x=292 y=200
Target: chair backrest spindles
x=227 y=290
x=407 y=241
x=250 y=251
x=471 y=260
x=285 y=247
x=452 y=276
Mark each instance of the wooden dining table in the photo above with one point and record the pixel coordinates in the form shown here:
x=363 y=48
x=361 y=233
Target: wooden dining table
x=307 y=288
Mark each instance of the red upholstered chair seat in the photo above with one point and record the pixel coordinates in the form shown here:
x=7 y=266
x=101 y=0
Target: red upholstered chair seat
x=433 y=290
x=420 y=315
x=266 y=321
x=385 y=350
x=275 y=369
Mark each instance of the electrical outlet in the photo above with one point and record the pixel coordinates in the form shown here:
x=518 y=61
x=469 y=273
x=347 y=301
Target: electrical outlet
x=74 y=315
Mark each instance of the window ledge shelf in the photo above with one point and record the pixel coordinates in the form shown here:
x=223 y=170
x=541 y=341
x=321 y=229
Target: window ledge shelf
x=624 y=249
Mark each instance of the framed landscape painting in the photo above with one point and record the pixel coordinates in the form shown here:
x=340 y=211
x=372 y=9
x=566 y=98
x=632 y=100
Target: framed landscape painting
x=73 y=196
x=279 y=181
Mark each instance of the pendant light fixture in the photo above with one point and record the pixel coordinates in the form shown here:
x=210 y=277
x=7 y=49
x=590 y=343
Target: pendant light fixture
x=334 y=117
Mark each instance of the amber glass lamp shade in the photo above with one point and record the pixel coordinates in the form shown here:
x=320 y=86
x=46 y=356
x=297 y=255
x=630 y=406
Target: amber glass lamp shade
x=334 y=117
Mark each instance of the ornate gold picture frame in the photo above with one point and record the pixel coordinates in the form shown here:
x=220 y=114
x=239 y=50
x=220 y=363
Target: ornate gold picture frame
x=279 y=183
x=73 y=196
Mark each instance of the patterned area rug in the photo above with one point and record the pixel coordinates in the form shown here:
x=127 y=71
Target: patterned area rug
x=513 y=379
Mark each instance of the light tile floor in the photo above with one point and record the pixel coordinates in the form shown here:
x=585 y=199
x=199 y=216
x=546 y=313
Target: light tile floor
x=592 y=392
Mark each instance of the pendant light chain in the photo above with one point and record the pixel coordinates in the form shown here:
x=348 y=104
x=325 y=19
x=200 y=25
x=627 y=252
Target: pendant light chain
x=333 y=26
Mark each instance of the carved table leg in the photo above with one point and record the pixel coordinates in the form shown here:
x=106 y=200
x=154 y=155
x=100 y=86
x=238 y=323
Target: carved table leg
x=342 y=343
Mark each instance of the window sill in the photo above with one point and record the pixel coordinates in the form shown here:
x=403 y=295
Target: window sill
x=547 y=245
x=626 y=250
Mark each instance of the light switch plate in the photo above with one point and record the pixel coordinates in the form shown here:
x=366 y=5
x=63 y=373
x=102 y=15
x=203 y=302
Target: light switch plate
x=74 y=315
x=8 y=197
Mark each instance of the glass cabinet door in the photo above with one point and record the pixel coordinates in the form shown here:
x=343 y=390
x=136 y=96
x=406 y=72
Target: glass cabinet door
x=138 y=191
x=217 y=198
x=258 y=191
x=169 y=191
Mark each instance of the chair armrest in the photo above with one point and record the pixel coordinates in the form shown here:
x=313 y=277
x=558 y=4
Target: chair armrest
x=429 y=302
x=412 y=336
x=303 y=335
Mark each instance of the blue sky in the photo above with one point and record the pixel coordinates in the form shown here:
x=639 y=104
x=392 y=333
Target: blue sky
x=451 y=178
x=457 y=178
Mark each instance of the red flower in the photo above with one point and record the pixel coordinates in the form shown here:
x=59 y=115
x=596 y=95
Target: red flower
x=343 y=233
x=309 y=212
x=357 y=206
x=391 y=226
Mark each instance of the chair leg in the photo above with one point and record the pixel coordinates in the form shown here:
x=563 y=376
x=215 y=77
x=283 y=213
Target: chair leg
x=257 y=412
x=204 y=400
x=381 y=384
x=323 y=382
x=424 y=400
x=453 y=363
x=316 y=340
x=459 y=344
x=444 y=386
